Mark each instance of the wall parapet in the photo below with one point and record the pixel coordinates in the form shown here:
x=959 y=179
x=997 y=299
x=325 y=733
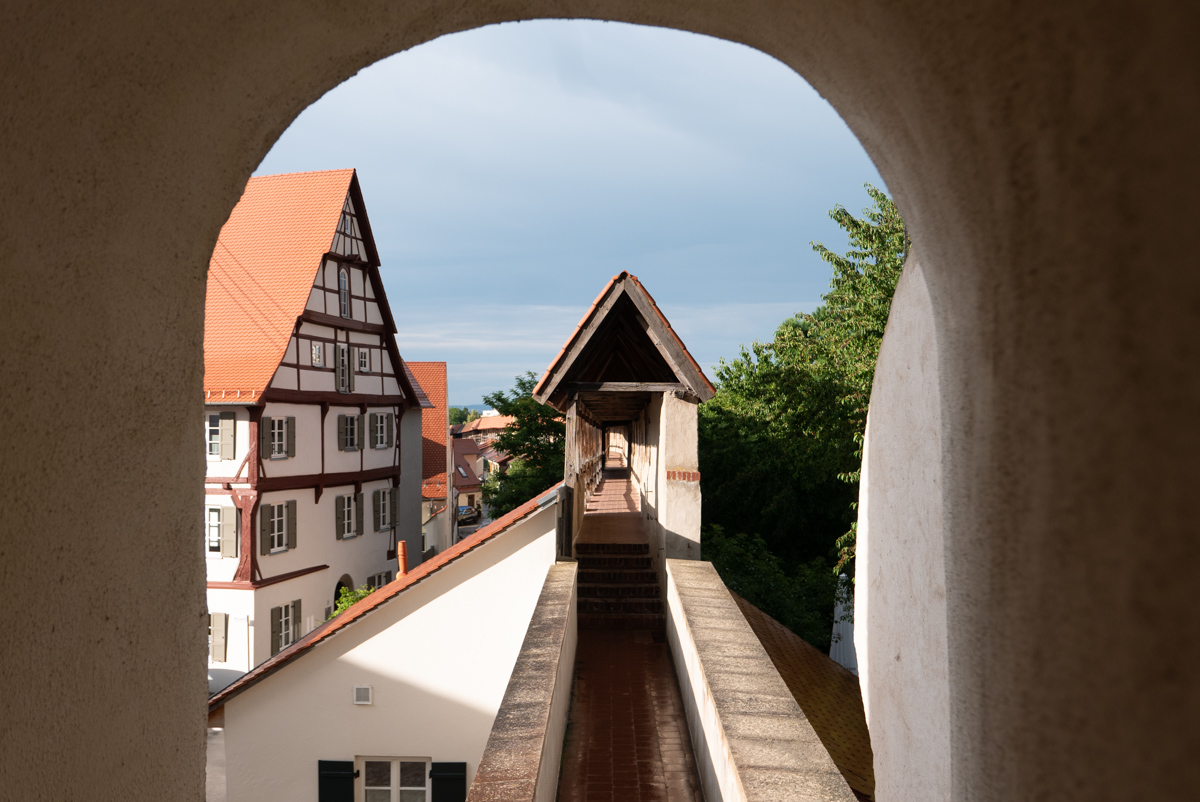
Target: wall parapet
x=524 y=750
x=752 y=742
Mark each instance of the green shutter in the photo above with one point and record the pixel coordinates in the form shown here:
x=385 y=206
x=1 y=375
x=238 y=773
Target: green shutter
x=291 y=436
x=352 y=366
x=392 y=502
x=264 y=529
x=377 y=507
x=264 y=437
x=371 y=421
x=296 y=618
x=342 y=432
x=291 y=524
x=229 y=532
x=358 y=513
x=391 y=430
x=276 y=628
x=218 y=622
x=227 y=436
x=337 y=367
x=339 y=506
x=362 y=420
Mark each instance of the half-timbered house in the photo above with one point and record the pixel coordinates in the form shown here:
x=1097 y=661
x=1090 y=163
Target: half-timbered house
x=312 y=421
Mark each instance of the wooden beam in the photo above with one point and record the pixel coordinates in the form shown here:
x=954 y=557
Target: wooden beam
x=626 y=387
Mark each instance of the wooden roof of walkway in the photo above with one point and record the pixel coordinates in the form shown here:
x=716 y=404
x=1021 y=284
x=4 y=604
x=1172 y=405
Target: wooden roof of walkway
x=623 y=350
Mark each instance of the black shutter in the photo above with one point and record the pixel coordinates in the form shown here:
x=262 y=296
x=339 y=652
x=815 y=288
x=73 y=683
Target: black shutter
x=335 y=781
x=449 y=781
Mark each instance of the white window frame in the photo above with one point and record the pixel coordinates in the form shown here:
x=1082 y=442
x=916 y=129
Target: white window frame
x=318 y=355
x=353 y=436
x=360 y=765
x=349 y=510
x=279 y=438
x=364 y=360
x=385 y=509
x=286 y=613
x=345 y=305
x=213 y=436
x=378 y=580
x=344 y=367
x=209 y=527
x=379 y=436
x=278 y=532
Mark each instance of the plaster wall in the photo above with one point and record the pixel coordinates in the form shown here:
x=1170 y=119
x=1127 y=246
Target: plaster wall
x=1042 y=154
x=900 y=596
x=238 y=605
x=408 y=529
x=308 y=439
x=679 y=499
x=434 y=694
x=214 y=465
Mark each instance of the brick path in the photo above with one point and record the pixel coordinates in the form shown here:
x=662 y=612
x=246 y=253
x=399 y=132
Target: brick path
x=627 y=738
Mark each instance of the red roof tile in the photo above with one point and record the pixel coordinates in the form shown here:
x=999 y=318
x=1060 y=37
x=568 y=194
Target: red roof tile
x=379 y=598
x=261 y=273
x=435 y=420
x=491 y=422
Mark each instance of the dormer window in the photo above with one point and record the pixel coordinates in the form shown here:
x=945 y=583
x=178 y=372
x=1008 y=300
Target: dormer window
x=344 y=291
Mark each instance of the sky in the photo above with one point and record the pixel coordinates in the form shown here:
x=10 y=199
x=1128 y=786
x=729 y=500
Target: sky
x=510 y=171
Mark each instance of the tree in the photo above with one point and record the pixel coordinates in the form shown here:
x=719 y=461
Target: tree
x=781 y=443
x=535 y=440
x=462 y=415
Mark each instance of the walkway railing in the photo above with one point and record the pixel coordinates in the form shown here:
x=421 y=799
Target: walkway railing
x=751 y=740
x=524 y=750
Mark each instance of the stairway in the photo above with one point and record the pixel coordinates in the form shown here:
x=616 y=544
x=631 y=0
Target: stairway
x=618 y=587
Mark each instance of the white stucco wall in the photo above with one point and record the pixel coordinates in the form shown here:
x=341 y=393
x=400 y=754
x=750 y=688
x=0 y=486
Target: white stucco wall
x=900 y=595
x=679 y=498
x=438 y=656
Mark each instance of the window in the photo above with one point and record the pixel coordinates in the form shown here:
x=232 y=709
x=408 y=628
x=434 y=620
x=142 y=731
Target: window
x=461 y=472
x=343 y=367
x=348 y=516
x=391 y=779
x=383 y=502
x=344 y=291
x=218 y=435
x=278 y=437
x=214 y=530
x=379 y=580
x=350 y=432
x=285 y=626
x=364 y=360
x=221 y=531
x=218 y=625
x=382 y=427
x=277 y=527
x=318 y=355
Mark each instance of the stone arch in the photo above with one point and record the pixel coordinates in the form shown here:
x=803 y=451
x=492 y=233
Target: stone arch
x=1043 y=163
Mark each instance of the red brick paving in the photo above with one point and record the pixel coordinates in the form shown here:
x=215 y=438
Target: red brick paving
x=627 y=738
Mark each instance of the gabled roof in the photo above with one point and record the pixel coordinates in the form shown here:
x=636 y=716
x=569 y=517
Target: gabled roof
x=381 y=597
x=828 y=694
x=262 y=271
x=435 y=419
x=487 y=424
x=623 y=340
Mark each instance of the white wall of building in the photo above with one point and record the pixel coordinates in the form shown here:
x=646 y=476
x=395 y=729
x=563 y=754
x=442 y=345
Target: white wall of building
x=900 y=597
x=438 y=657
x=678 y=496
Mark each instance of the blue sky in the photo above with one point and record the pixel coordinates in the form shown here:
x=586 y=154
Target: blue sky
x=510 y=171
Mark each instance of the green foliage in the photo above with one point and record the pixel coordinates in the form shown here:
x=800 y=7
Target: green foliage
x=802 y=599
x=462 y=415
x=781 y=443
x=535 y=440
x=347 y=597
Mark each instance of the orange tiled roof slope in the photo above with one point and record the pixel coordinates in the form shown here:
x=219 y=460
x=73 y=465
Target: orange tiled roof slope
x=487 y=424
x=381 y=597
x=828 y=694
x=435 y=421
x=261 y=273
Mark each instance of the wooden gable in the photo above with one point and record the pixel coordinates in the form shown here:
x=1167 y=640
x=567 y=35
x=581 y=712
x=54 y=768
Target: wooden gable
x=623 y=350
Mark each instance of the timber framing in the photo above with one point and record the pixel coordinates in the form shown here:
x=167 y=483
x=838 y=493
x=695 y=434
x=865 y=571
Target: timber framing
x=268 y=484
x=622 y=351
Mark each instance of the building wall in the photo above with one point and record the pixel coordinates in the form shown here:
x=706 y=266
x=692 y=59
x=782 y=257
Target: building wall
x=434 y=695
x=900 y=596
x=409 y=525
x=678 y=480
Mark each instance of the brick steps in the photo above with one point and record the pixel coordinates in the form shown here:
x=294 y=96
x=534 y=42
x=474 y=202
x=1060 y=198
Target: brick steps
x=618 y=588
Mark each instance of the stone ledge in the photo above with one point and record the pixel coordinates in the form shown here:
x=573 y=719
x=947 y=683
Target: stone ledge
x=760 y=746
x=524 y=746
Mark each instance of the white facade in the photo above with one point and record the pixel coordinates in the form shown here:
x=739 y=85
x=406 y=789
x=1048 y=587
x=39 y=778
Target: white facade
x=438 y=657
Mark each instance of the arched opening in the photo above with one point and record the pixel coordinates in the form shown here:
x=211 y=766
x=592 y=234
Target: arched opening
x=1045 y=184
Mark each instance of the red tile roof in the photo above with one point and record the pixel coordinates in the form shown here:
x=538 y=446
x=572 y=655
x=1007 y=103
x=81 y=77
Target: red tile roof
x=562 y=352
x=379 y=598
x=487 y=424
x=828 y=694
x=422 y=399
x=435 y=421
x=261 y=273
